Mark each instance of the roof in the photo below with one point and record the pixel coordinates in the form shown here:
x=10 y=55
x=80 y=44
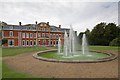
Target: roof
x=53 y=28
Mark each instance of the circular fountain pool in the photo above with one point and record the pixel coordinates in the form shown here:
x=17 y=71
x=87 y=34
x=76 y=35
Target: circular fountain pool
x=78 y=57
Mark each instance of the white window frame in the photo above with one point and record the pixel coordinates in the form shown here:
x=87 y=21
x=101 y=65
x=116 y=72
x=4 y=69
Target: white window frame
x=11 y=33
x=38 y=42
x=43 y=35
x=23 y=35
x=59 y=35
x=47 y=35
x=30 y=43
x=34 y=42
x=31 y=35
x=51 y=35
x=27 y=35
x=56 y=35
x=39 y=35
x=22 y=42
x=34 y=35
x=26 y=42
x=51 y=42
x=44 y=24
x=41 y=24
x=9 y=42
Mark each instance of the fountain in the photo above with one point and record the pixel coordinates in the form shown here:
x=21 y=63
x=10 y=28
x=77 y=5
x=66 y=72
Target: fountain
x=84 y=45
x=71 y=54
x=69 y=43
x=65 y=44
x=59 y=46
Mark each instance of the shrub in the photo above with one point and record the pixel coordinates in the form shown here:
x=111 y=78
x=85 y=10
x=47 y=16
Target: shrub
x=4 y=41
x=115 y=42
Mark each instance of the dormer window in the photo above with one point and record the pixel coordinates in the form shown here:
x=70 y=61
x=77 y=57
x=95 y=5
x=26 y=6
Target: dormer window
x=41 y=24
x=44 y=24
x=11 y=27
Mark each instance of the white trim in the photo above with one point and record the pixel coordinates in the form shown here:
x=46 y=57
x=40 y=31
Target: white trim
x=11 y=33
x=34 y=35
x=38 y=42
x=23 y=35
x=35 y=43
x=39 y=35
x=30 y=42
x=31 y=35
x=43 y=35
x=12 y=42
x=27 y=35
x=24 y=42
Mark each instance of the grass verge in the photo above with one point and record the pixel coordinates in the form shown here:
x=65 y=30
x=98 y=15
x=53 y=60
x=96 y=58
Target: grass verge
x=16 y=51
x=103 y=48
x=9 y=73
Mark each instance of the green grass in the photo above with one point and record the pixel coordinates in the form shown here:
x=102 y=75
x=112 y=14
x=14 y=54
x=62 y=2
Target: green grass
x=103 y=48
x=9 y=73
x=16 y=51
x=53 y=55
x=0 y=69
x=94 y=56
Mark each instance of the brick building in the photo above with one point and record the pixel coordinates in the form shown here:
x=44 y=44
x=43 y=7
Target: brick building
x=29 y=35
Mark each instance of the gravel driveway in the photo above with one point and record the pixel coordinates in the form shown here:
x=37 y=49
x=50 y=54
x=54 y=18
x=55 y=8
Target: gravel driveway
x=27 y=64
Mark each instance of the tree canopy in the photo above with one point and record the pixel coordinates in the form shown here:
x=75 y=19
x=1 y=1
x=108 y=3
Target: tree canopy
x=102 y=34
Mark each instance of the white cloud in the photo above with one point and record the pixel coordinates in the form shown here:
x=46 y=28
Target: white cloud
x=81 y=15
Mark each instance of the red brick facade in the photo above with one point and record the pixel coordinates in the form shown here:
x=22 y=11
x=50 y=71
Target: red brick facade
x=41 y=36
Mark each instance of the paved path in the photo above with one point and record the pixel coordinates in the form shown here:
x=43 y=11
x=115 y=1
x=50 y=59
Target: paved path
x=27 y=64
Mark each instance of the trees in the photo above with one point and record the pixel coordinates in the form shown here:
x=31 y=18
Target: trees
x=111 y=32
x=115 y=42
x=88 y=35
x=97 y=34
x=102 y=34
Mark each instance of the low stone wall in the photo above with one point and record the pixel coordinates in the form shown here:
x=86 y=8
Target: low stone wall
x=111 y=57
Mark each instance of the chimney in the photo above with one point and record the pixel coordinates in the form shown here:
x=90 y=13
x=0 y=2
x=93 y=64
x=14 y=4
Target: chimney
x=20 y=23
x=47 y=23
x=35 y=22
x=59 y=26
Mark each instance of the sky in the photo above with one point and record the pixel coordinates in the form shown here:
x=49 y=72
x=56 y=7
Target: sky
x=81 y=14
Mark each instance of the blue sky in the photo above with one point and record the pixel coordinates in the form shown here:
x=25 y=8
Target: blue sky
x=79 y=14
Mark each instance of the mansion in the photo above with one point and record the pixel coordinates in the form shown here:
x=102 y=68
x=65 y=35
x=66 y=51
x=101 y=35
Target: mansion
x=30 y=35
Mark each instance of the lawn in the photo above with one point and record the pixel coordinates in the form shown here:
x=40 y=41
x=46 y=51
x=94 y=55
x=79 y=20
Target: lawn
x=103 y=48
x=9 y=73
x=16 y=51
x=94 y=56
x=0 y=69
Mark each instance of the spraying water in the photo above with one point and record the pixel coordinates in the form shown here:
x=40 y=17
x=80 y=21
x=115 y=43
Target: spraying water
x=69 y=43
x=59 y=46
x=84 y=45
x=65 y=44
